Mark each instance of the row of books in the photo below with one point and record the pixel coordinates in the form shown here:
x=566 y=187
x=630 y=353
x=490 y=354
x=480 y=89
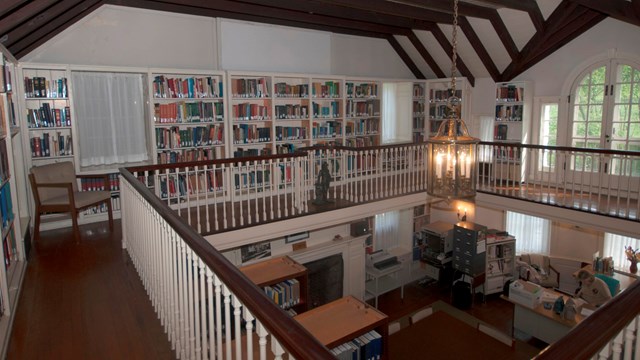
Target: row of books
x=440 y=111
x=501 y=250
x=191 y=87
x=5 y=171
x=102 y=208
x=508 y=112
x=326 y=129
x=326 y=111
x=501 y=132
x=6 y=205
x=328 y=89
x=509 y=93
x=418 y=108
x=188 y=112
x=284 y=90
x=292 y=111
x=6 y=84
x=250 y=111
x=362 y=141
x=418 y=90
x=252 y=179
x=181 y=185
x=285 y=148
x=364 y=347
x=285 y=294
x=291 y=133
x=98 y=184
x=363 y=90
x=363 y=108
x=242 y=152
x=250 y=88
x=184 y=155
x=418 y=137
x=46 y=116
x=250 y=133
x=443 y=95
x=41 y=87
x=11 y=254
x=47 y=145
x=603 y=265
x=362 y=127
x=174 y=137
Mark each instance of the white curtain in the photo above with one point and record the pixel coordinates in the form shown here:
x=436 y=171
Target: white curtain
x=614 y=246
x=109 y=108
x=389 y=112
x=532 y=233
x=387 y=230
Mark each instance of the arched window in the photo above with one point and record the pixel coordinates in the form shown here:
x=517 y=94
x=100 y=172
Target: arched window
x=605 y=114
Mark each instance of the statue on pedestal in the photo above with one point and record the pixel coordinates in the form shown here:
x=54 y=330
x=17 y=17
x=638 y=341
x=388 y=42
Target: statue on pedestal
x=323 y=181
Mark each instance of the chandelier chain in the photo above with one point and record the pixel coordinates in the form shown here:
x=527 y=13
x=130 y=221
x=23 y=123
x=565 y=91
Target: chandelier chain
x=454 y=43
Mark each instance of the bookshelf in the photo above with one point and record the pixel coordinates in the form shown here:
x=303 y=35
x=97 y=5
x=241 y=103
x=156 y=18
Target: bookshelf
x=251 y=114
x=500 y=262
x=362 y=114
x=439 y=91
x=418 y=112
x=327 y=110
x=283 y=279
x=350 y=320
x=292 y=113
x=511 y=126
x=188 y=116
x=13 y=224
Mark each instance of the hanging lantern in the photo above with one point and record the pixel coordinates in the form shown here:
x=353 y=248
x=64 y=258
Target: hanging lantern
x=452 y=153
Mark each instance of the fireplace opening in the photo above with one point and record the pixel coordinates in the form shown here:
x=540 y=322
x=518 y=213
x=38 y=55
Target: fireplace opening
x=325 y=280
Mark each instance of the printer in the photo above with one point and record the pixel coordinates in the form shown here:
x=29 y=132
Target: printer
x=381 y=260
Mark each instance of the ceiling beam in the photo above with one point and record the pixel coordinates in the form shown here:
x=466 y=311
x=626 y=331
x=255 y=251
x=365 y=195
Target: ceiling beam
x=481 y=51
x=618 y=9
x=542 y=45
x=635 y=4
x=464 y=9
x=23 y=14
x=503 y=34
x=425 y=55
x=8 y=6
x=54 y=26
x=448 y=49
x=405 y=57
x=397 y=9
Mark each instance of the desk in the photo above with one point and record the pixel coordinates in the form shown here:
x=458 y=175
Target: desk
x=442 y=336
x=542 y=323
x=382 y=281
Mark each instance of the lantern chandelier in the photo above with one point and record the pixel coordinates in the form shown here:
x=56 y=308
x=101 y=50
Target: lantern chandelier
x=452 y=152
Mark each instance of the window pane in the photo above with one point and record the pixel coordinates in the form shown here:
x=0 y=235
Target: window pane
x=620 y=113
x=636 y=75
x=623 y=93
x=635 y=94
x=634 y=131
x=579 y=129
x=635 y=113
x=597 y=95
x=580 y=113
x=582 y=95
x=598 y=75
x=594 y=129
x=595 y=113
x=619 y=131
x=531 y=233
x=624 y=73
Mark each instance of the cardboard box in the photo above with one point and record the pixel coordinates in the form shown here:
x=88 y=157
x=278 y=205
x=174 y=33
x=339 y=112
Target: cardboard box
x=525 y=293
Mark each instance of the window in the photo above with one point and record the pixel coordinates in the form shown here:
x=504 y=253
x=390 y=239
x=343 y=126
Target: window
x=614 y=246
x=111 y=127
x=387 y=230
x=548 y=134
x=532 y=233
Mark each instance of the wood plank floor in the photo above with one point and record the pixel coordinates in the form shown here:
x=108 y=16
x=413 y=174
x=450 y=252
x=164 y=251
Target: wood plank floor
x=86 y=301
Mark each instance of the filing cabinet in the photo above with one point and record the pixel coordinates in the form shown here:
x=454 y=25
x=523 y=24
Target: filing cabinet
x=469 y=248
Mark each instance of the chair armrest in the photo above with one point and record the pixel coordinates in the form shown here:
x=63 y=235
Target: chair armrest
x=56 y=185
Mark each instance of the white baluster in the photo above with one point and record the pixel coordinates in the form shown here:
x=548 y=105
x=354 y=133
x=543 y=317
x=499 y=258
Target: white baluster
x=262 y=339
x=264 y=189
x=211 y=328
x=286 y=182
x=237 y=312
x=248 y=318
x=272 y=181
x=276 y=348
x=191 y=285
x=617 y=345
x=636 y=343
x=218 y=307
x=201 y=332
x=605 y=352
x=276 y=171
x=226 y=294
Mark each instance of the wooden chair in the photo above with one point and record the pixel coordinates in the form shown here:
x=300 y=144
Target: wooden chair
x=55 y=190
x=394 y=327
x=498 y=335
x=421 y=314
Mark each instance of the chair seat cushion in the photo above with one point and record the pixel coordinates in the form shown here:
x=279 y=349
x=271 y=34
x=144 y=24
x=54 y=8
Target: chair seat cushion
x=82 y=198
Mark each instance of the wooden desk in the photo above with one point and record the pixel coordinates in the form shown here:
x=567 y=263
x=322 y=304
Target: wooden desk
x=442 y=336
x=342 y=320
x=542 y=323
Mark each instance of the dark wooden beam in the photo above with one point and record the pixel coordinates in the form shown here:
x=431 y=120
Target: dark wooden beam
x=482 y=52
x=503 y=34
x=536 y=17
x=464 y=9
x=618 y=9
x=542 y=45
x=405 y=57
x=53 y=26
x=448 y=48
x=23 y=14
x=397 y=9
x=9 y=5
x=425 y=55
x=635 y=4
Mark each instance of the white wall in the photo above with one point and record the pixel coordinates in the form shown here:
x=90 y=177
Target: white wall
x=574 y=242
x=360 y=56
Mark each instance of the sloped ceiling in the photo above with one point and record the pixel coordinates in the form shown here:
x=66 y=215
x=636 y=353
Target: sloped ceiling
x=497 y=38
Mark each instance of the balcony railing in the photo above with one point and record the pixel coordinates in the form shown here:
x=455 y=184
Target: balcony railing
x=210 y=310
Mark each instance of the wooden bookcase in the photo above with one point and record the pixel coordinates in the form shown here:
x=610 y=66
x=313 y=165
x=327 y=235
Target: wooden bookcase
x=292 y=112
x=343 y=320
x=327 y=109
x=13 y=224
x=188 y=116
x=275 y=271
x=500 y=262
x=418 y=112
x=439 y=91
x=363 y=122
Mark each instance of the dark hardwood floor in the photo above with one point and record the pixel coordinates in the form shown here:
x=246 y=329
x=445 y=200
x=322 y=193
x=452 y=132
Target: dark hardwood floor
x=86 y=301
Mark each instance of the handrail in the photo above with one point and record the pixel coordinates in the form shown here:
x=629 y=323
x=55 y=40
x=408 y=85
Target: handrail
x=598 y=329
x=295 y=338
x=561 y=148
